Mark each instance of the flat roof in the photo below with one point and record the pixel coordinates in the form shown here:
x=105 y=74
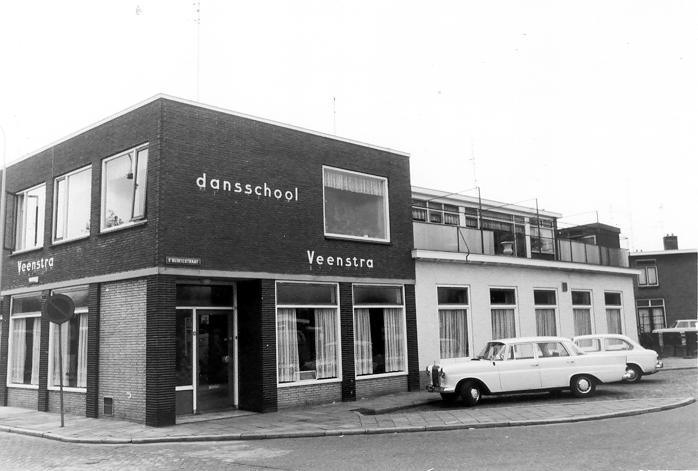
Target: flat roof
x=663 y=252
x=208 y=107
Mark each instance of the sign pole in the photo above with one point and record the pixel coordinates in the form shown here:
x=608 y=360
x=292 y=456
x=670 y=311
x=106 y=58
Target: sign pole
x=60 y=367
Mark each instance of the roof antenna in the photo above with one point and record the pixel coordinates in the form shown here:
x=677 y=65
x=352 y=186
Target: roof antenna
x=197 y=4
x=334 y=116
x=472 y=158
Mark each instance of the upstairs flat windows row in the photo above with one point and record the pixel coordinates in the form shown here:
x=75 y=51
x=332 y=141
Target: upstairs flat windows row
x=123 y=198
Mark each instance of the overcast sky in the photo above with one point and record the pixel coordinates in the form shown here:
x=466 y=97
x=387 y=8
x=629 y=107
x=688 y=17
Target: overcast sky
x=589 y=106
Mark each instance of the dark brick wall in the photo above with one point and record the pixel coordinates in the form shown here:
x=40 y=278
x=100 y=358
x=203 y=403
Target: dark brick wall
x=160 y=373
x=43 y=363
x=92 y=394
x=4 y=340
x=346 y=320
x=229 y=230
x=411 y=328
x=678 y=284
x=268 y=346
x=120 y=250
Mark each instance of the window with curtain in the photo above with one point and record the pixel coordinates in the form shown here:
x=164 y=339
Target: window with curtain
x=29 y=223
x=356 y=205
x=124 y=179
x=613 y=312
x=453 y=321
x=503 y=310
x=73 y=344
x=545 y=301
x=307 y=331
x=648 y=273
x=25 y=337
x=581 y=312
x=650 y=314
x=380 y=344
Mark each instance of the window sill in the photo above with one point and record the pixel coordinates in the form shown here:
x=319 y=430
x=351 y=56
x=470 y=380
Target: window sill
x=357 y=239
x=381 y=375
x=648 y=286
x=107 y=230
x=309 y=382
x=23 y=386
x=68 y=241
x=26 y=251
x=68 y=389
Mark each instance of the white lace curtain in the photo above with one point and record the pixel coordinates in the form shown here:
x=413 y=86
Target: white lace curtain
x=354 y=183
x=81 y=354
x=19 y=350
x=503 y=324
x=288 y=364
x=394 y=340
x=363 y=345
x=326 y=343
x=613 y=321
x=453 y=333
x=545 y=322
x=582 y=321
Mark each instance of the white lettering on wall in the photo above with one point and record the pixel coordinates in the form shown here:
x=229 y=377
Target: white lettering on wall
x=337 y=261
x=261 y=190
x=34 y=265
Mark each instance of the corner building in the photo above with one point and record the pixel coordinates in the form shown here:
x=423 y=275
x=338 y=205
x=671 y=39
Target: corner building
x=215 y=260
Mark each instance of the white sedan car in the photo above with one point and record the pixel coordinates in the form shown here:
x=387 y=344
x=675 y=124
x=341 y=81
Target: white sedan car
x=524 y=364
x=641 y=361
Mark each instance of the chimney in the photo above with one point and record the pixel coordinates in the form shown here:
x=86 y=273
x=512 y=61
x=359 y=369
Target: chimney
x=671 y=242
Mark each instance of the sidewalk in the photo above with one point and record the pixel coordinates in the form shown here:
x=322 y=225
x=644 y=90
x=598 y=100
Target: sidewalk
x=393 y=413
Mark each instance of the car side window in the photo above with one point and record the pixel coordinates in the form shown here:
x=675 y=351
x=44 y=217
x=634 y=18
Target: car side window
x=552 y=349
x=523 y=351
x=616 y=344
x=589 y=345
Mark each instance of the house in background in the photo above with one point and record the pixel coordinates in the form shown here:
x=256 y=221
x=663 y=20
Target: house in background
x=490 y=270
x=666 y=289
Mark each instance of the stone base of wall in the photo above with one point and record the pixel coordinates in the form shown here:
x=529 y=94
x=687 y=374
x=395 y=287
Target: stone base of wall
x=366 y=388
x=24 y=398
x=305 y=395
x=73 y=402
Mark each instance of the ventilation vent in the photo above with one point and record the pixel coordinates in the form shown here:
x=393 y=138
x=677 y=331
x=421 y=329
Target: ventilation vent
x=109 y=406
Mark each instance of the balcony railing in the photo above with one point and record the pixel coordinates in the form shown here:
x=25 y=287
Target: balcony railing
x=448 y=238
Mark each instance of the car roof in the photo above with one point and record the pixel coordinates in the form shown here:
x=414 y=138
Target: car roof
x=592 y=336
x=531 y=339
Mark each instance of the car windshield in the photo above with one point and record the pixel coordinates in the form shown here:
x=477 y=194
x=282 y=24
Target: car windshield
x=492 y=351
x=686 y=323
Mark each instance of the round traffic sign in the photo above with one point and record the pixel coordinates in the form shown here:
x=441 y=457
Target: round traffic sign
x=58 y=308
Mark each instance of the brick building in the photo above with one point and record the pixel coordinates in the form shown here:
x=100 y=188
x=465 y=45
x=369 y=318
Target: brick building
x=215 y=261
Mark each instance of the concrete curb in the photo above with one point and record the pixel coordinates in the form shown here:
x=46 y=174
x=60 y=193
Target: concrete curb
x=343 y=432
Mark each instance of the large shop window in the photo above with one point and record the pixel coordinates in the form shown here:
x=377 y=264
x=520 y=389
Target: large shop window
x=25 y=336
x=379 y=330
x=545 y=301
x=453 y=321
x=124 y=187
x=29 y=230
x=74 y=343
x=71 y=213
x=356 y=205
x=503 y=305
x=614 y=306
x=581 y=311
x=307 y=323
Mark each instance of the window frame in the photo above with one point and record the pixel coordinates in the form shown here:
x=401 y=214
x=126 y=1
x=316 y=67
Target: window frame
x=589 y=307
x=133 y=221
x=10 y=343
x=456 y=306
x=644 y=265
x=65 y=177
x=402 y=307
x=338 y=332
x=386 y=208
x=40 y=220
x=618 y=307
x=514 y=307
x=79 y=311
x=650 y=304
x=554 y=307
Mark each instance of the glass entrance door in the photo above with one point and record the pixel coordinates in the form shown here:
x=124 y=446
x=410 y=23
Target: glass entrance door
x=214 y=361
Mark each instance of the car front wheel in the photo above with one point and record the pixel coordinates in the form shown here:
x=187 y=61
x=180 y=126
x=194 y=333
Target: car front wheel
x=582 y=386
x=634 y=373
x=471 y=392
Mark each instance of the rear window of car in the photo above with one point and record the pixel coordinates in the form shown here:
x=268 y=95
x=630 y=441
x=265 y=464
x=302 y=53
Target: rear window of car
x=613 y=344
x=588 y=345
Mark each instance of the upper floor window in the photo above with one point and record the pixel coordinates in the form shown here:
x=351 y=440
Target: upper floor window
x=648 y=273
x=29 y=230
x=542 y=236
x=438 y=213
x=124 y=187
x=71 y=212
x=356 y=205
